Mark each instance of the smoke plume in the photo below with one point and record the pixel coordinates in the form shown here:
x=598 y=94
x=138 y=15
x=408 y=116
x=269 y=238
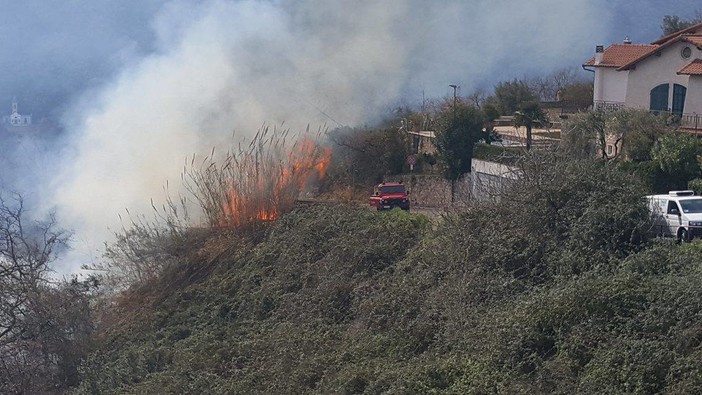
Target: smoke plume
x=203 y=74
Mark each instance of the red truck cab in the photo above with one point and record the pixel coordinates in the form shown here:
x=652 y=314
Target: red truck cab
x=389 y=195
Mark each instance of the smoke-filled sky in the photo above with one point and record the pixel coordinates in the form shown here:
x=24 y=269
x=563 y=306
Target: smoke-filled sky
x=139 y=85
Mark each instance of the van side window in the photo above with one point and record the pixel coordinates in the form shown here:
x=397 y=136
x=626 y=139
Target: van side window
x=662 y=205
x=673 y=208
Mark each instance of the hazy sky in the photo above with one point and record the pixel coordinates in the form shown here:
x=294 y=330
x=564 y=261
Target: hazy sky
x=50 y=52
x=138 y=85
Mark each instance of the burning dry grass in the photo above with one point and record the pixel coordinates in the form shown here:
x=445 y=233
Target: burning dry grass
x=258 y=181
x=254 y=183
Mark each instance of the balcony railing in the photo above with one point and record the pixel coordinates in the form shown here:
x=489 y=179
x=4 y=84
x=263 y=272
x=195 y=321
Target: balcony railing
x=685 y=121
x=691 y=121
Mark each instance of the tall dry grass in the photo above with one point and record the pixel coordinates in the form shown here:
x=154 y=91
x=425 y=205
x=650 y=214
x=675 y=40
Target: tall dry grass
x=251 y=183
x=258 y=181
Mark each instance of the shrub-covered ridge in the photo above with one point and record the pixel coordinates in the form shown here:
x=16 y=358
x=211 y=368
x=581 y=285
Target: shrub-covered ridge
x=553 y=289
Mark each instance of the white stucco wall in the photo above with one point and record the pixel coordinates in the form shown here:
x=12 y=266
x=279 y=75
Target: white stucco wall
x=610 y=84
x=656 y=70
x=693 y=99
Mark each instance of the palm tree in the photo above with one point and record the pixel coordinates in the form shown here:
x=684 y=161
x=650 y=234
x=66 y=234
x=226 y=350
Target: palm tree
x=529 y=115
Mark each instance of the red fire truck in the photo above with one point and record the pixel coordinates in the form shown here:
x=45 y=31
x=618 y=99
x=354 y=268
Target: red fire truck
x=389 y=195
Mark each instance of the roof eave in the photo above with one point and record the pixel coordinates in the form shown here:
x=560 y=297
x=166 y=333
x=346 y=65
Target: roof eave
x=627 y=67
x=588 y=64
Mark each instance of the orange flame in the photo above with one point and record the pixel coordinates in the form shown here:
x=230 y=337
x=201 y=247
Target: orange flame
x=269 y=186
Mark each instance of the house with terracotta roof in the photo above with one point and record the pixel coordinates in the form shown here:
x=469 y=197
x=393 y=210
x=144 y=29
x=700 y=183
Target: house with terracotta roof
x=663 y=76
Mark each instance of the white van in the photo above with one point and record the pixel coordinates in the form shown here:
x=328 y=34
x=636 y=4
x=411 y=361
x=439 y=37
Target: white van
x=677 y=214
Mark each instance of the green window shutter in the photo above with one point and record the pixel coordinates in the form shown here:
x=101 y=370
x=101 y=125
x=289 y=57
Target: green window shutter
x=679 y=92
x=659 y=98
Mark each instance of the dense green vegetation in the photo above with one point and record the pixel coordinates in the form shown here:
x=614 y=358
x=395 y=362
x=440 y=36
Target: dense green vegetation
x=457 y=130
x=646 y=144
x=555 y=289
x=497 y=153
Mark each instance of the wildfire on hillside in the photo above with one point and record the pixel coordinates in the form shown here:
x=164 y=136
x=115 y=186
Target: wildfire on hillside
x=268 y=181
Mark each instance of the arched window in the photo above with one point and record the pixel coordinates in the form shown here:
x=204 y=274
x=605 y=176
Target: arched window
x=659 y=98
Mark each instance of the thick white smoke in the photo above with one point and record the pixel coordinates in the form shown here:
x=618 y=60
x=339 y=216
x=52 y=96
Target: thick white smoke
x=230 y=66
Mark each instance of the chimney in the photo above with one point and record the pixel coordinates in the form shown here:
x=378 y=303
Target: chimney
x=599 y=54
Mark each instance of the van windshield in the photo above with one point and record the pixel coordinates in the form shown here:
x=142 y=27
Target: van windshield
x=387 y=189
x=691 y=206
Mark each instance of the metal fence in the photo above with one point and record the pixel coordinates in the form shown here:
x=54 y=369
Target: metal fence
x=608 y=105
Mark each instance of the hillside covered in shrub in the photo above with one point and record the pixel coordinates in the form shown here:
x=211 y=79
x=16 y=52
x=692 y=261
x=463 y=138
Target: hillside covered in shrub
x=552 y=288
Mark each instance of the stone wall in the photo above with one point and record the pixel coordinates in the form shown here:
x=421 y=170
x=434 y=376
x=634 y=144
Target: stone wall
x=434 y=191
x=484 y=182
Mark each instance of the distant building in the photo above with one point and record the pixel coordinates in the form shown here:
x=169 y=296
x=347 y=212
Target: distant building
x=15 y=118
x=664 y=76
x=423 y=142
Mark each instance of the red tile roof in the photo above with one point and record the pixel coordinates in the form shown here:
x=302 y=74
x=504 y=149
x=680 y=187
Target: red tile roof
x=625 y=56
x=693 y=68
x=694 y=29
x=619 y=55
x=694 y=39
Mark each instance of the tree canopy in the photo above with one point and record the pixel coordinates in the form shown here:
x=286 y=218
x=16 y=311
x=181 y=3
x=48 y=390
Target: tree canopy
x=673 y=23
x=630 y=132
x=676 y=156
x=458 y=127
x=577 y=95
x=510 y=95
x=666 y=158
x=365 y=155
x=45 y=325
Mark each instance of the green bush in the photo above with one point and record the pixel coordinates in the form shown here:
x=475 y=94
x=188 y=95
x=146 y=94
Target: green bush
x=553 y=288
x=495 y=153
x=695 y=185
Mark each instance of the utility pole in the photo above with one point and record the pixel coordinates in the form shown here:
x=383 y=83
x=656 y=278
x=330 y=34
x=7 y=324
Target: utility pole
x=454 y=102
x=453 y=181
